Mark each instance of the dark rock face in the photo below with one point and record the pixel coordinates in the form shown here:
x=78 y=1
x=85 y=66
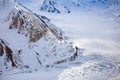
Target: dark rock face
x=45 y=37
x=32 y=25
x=1 y=50
x=52 y=6
x=67 y=6
x=9 y=55
x=4 y=48
x=49 y=6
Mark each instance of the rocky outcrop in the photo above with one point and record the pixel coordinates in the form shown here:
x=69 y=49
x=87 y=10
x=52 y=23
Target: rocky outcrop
x=49 y=6
x=37 y=41
x=5 y=49
x=32 y=25
x=1 y=50
x=54 y=6
x=9 y=55
x=67 y=6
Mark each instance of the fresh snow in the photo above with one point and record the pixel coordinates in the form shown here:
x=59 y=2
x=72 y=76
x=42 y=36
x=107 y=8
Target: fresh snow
x=39 y=75
x=96 y=32
x=89 y=30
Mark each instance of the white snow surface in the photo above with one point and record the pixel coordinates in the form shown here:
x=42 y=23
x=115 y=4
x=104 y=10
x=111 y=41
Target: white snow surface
x=90 y=30
x=96 y=31
x=67 y=6
x=34 y=54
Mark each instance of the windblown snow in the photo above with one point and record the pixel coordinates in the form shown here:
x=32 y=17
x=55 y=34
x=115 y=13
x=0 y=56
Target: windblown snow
x=80 y=43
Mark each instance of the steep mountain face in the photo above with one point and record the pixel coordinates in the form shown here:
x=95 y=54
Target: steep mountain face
x=57 y=6
x=69 y=5
x=29 y=41
x=32 y=25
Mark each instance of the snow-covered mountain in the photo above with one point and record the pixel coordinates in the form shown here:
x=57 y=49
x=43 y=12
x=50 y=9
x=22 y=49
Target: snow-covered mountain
x=29 y=41
x=60 y=6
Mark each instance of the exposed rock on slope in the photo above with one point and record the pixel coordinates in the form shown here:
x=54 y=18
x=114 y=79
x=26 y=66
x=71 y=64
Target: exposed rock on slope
x=61 y=6
x=4 y=49
x=57 y=6
x=42 y=45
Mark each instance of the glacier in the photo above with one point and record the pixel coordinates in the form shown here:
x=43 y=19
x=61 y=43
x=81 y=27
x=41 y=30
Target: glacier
x=81 y=45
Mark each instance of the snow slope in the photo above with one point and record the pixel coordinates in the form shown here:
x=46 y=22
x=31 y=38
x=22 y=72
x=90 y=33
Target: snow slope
x=63 y=6
x=96 y=32
x=67 y=6
x=32 y=41
x=91 y=70
x=92 y=30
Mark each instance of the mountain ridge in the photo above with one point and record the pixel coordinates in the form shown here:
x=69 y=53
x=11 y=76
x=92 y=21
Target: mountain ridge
x=67 y=6
x=32 y=40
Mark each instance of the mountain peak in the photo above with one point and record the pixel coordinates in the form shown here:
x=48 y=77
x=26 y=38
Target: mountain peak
x=61 y=6
x=32 y=39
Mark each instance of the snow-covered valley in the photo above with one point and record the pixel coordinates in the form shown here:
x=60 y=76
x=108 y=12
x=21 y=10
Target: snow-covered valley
x=89 y=30
x=94 y=34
